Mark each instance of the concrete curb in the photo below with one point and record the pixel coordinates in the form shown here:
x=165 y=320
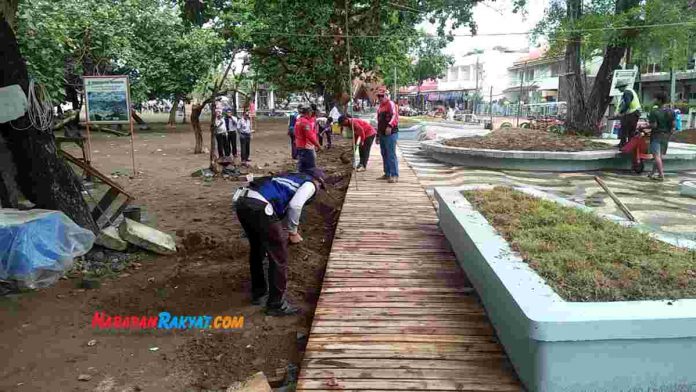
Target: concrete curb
x=679 y=158
x=557 y=345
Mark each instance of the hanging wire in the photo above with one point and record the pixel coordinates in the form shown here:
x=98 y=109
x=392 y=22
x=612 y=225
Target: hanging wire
x=520 y=33
x=39 y=108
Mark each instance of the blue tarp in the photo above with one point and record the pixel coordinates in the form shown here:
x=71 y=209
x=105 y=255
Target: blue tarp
x=37 y=247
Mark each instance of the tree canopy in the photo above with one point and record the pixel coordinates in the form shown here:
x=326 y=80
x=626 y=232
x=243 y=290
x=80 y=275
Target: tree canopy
x=628 y=23
x=302 y=45
x=63 y=40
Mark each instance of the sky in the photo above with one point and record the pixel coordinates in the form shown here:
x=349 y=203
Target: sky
x=496 y=17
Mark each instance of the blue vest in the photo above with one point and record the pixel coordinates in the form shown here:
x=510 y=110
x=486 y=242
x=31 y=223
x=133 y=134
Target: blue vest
x=279 y=190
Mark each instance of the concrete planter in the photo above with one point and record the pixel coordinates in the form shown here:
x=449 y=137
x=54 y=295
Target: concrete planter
x=688 y=188
x=557 y=345
x=679 y=157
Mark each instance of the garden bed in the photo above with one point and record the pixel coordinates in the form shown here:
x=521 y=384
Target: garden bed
x=584 y=257
x=555 y=344
x=517 y=139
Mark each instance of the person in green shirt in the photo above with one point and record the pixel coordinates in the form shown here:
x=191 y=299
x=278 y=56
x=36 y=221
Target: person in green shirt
x=661 y=126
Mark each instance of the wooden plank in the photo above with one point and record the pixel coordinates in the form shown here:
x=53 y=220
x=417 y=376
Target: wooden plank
x=395 y=282
x=486 y=330
x=319 y=321
x=429 y=266
x=398 y=297
x=406 y=347
x=403 y=290
x=404 y=385
x=396 y=312
x=327 y=305
x=396 y=273
x=368 y=363
x=408 y=374
x=403 y=338
x=405 y=354
x=91 y=170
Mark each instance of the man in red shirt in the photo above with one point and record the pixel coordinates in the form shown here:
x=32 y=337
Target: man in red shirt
x=361 y=130
x=387 y=129
x=306 y=140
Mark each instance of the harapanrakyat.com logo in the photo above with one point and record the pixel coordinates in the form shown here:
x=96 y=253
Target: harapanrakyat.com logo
x=165 y=320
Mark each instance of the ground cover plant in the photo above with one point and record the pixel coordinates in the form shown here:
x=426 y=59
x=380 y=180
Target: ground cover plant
x=584 y=257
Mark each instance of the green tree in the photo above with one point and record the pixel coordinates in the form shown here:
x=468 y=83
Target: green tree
x=44 y=179
x=233 y=22
x=302 y=45
x=616 y=30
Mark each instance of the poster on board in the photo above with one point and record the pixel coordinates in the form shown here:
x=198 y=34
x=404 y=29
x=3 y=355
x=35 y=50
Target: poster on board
x=622 y=75
x=107 y=99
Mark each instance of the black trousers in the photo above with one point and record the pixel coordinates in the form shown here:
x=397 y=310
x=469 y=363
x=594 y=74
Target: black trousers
x=266 y=238
x=244 y=145
x=365 y=151
x=223 y=146
x=232 y=139
x=629 y=123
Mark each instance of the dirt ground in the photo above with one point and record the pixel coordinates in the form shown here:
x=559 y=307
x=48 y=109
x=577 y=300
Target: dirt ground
x=527 y=140
x=44 y=335
x=686 y=136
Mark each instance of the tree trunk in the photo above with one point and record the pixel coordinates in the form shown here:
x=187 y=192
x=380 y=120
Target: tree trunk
x=599 y=98
x=43 y=178
x=585 y=111
x=196 y=126
x=183 y=118
x=139 y=120
x=213 y=165
x=172 y=113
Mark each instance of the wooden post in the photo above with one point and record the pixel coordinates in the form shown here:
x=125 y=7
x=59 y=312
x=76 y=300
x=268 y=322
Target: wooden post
x=350 y=98
x=490 y=105
x=618 y=202
x=132 y=135
x=89 y=137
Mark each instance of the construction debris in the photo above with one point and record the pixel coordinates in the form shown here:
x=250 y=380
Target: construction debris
x=146 y=237
x=256 y=383
x=110 y=239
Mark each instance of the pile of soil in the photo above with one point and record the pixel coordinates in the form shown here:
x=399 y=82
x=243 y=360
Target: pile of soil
x=527 y=140
x=48 y=331
x=686 y=136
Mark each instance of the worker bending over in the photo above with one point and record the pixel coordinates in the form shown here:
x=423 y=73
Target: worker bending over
x=262 y=207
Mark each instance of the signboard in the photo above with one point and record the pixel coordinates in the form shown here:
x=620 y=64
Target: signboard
x=622 y=75
x=107 y=99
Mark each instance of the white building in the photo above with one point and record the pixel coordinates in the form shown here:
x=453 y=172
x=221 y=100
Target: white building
x=482 y=71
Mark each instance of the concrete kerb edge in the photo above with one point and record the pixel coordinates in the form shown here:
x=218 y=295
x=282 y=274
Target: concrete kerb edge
x=493 y=267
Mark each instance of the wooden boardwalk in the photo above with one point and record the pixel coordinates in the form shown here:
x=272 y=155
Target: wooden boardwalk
x=396 y=312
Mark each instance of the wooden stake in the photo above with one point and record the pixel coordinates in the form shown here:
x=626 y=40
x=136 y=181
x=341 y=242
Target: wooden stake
x=618 y=202
x=350 y=97
x=132 y=135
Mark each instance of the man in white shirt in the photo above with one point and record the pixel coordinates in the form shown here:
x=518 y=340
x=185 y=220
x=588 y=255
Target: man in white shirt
x=244 y=130
x=231 y=125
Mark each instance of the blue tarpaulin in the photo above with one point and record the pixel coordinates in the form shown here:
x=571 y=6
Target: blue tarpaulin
x=37 y=247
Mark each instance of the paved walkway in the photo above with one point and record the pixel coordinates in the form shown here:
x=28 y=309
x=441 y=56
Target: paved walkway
x=656 y=204
x=396 y=312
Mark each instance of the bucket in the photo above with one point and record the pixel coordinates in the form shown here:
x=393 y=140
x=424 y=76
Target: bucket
x=132 y=213
x=335 y=129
